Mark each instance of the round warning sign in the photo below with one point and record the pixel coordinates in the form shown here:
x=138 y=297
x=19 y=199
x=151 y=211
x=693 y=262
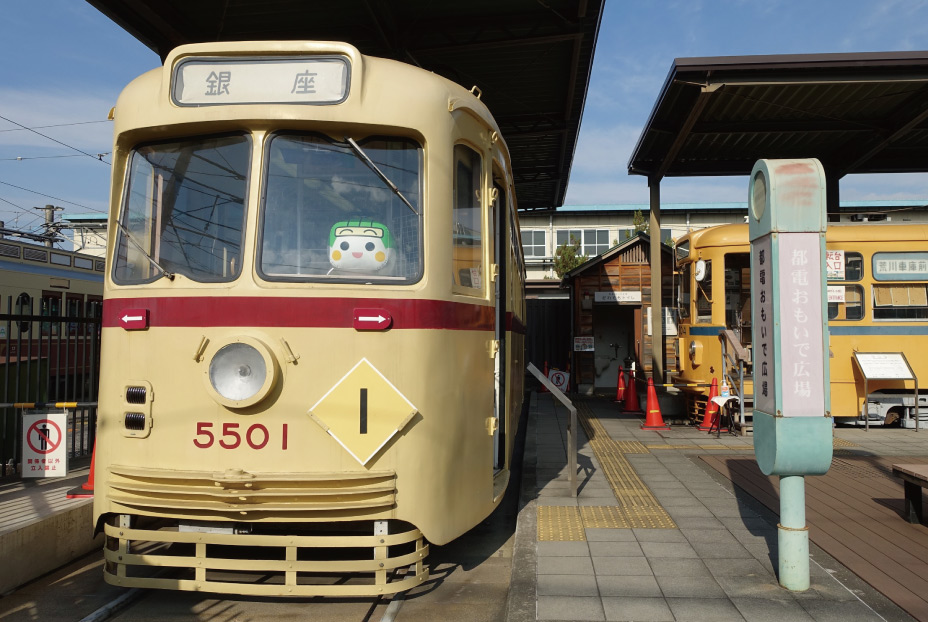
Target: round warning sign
x=44 y=436
x=559 y=379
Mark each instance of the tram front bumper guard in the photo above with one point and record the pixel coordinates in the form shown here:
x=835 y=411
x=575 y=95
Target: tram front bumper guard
x=131 y=549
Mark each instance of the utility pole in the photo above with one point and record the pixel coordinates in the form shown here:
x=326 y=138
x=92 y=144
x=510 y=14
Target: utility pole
x=49 y=222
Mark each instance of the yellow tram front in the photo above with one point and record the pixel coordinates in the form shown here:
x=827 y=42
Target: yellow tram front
x=312 y=322
x=714 y=311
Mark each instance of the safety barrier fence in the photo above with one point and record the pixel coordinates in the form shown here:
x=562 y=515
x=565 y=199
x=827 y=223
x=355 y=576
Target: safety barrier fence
x=48 y=361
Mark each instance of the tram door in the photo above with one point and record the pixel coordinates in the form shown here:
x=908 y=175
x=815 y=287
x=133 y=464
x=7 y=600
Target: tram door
x=498 y=219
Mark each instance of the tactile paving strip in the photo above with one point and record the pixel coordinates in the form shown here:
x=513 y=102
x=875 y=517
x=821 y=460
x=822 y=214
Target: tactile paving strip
x=604 y=516
x=559 y=523
x=637 y=506
x=840 y=442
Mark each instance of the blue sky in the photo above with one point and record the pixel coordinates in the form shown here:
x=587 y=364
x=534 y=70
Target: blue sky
x=65 y=63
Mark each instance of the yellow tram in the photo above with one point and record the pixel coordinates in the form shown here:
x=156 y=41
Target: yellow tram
x=313 y=323
x=877 y=276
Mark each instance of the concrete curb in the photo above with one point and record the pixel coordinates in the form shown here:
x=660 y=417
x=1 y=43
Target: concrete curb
x=520 y=606
x=47 y=543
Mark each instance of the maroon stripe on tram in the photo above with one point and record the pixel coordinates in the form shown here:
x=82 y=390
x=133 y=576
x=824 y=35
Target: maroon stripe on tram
x=205 y=311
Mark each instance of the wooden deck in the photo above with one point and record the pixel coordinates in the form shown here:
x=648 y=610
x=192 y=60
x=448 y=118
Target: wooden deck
x=855 y=514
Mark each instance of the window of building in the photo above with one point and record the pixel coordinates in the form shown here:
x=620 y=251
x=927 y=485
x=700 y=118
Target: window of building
x=467 y=219
x=592 y=241
x=534 y=242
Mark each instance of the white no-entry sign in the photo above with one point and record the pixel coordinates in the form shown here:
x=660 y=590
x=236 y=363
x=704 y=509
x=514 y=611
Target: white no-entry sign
x=559 y=379
x=45 y=446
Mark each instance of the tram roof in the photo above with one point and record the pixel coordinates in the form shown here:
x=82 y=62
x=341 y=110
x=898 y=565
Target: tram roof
x=530 y=59
x=857 y=113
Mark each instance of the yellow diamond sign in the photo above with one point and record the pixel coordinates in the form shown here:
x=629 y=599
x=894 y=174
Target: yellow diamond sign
x=363 y=411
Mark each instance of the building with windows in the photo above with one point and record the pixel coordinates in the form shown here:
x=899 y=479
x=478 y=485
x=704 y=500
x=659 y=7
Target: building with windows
x=601 y=227
x=553 y=320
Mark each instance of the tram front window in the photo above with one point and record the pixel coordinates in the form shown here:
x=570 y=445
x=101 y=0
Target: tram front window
x=183 y=210
x=329 y=215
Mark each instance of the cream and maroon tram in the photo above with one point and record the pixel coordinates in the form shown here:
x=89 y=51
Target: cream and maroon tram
x=313 y=322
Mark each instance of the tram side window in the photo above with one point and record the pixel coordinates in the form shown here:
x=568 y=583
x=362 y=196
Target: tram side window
x=851 y=303
x=328 y=215
x=844 y=265
x=900 y=302
x=738 y=294
x=23 y=307
x=184 y=209
x=683 y=296
x=51 y=308
x=703 y=276
x=467 y=219
x=73 y=306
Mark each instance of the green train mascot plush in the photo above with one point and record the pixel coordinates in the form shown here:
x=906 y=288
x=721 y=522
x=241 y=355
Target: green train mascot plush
x=360 y=245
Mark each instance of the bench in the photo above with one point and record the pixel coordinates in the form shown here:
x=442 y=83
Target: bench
x=914 y=478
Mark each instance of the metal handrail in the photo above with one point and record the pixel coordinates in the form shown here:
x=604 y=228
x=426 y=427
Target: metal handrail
x=571 y=425
x=738 y=357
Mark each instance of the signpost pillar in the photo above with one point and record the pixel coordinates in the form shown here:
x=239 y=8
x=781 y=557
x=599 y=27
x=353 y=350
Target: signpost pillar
x=792 y=422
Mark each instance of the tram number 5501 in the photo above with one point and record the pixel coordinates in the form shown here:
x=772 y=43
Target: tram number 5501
x=255 y=436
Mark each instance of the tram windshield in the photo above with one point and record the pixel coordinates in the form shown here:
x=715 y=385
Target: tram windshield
x=183 y=210
x=329 y=215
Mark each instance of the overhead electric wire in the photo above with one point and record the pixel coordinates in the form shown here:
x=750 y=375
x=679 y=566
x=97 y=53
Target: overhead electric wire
x=99 y=158
x=74 y=155
x=38 y=127
x=23 y=210
x=48 y=196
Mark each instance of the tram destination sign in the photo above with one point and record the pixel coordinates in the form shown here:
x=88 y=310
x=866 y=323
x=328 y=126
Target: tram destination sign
x=199 y=81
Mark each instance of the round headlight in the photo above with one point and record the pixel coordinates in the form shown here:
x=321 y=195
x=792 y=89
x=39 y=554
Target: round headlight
x=241 y=373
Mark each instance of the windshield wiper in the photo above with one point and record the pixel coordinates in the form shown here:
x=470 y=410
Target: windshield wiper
x=373 y=167
x=169 y=275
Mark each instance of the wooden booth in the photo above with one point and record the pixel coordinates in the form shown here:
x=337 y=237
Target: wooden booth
x=610 y=298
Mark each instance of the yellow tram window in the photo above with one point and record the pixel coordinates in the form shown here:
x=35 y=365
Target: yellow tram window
x=703 y=276
x=184 y=208
x=467 y=233
x=683 y=297
x=851 y=308
x=328 y=215
x=900 y=302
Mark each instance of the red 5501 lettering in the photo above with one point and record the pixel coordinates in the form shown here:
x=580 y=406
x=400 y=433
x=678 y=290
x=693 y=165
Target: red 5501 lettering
x=255 y=436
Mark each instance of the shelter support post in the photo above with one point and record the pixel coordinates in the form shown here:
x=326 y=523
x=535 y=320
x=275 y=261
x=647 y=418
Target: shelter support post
x=657 y=311
x=832 y=193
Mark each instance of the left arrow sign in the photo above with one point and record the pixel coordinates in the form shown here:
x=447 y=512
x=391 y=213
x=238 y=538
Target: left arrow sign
x=134 y=319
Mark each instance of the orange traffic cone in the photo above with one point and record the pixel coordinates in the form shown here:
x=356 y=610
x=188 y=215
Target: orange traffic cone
x=712 y=409
x=620 y=388
x=631 y=395
x=544 y=389
x=653 y=419
x=85 y=490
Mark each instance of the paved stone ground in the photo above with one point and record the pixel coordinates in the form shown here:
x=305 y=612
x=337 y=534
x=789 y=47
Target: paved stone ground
x=718 y=563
